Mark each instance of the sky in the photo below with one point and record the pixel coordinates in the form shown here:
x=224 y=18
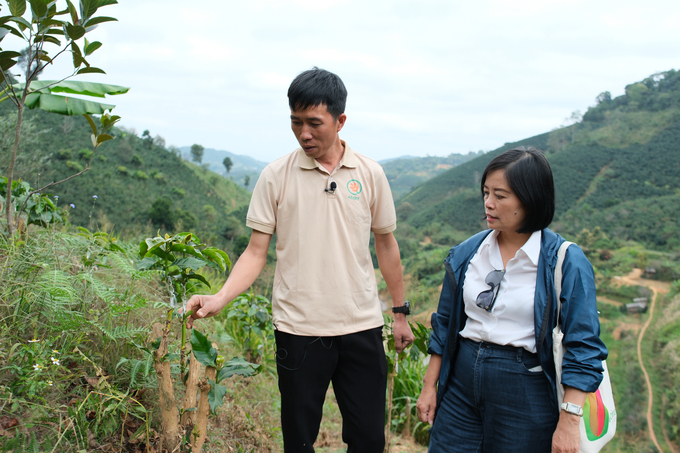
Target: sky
x=427 y=77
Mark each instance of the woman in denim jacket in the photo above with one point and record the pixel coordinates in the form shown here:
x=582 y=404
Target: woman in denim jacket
x=490 y=383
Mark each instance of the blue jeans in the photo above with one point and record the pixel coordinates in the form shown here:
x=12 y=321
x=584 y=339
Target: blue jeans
x=494 y=402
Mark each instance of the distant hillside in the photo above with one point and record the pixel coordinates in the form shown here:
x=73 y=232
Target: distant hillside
x=243 y=165
x=128 y=174
x=617 y=168
x=406 y=172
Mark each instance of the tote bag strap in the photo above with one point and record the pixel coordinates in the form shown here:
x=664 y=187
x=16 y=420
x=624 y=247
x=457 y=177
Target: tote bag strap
x=558 y=275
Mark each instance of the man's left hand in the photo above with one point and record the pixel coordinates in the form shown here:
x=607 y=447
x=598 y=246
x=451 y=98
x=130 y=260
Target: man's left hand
x=403 y=336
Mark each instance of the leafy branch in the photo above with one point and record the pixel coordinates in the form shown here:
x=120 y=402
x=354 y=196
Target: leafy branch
x=44 y=27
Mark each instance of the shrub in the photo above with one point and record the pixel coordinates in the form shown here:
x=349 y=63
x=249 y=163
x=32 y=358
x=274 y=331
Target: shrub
x=64 y=154
x=187 y=218
x=232 y=228
x=73 y=165
x=178 y=192
x=240 y=244
x=85 y=153
x=139 y=174
x=137 y=160
x=209 y=213
x=124 y=170
x=161 y=213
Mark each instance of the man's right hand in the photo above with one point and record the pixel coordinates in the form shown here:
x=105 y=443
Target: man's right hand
x=203 y=306
x=244 y=273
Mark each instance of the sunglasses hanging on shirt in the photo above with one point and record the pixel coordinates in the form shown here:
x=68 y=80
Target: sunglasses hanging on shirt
x=487 y=299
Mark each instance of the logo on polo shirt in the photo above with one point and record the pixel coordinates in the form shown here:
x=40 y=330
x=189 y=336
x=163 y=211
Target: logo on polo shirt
x=354 y=187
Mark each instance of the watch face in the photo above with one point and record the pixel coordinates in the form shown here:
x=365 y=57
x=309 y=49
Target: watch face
x=572 y=408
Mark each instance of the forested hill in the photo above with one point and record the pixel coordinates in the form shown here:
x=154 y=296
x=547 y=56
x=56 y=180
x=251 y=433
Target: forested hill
x=128 y=175
x=406 y=172
x=242 y=165
x=618 y=168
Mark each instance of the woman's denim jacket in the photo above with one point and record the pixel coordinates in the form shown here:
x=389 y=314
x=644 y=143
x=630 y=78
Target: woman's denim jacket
x=582 y=365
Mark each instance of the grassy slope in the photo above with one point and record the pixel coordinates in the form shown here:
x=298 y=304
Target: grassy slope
x=125 y=197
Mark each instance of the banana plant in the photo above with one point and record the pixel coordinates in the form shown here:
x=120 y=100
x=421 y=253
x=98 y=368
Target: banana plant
x=49 y=32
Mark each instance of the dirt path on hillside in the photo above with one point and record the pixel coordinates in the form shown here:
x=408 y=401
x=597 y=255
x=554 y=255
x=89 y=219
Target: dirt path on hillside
x=635 y=278
x=650 y=393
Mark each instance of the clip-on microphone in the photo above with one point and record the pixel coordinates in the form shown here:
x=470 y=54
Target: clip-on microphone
x=332 y=189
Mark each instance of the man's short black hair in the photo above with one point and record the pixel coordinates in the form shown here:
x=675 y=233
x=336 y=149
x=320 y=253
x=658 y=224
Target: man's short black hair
x=529 y=176
x=318 y=86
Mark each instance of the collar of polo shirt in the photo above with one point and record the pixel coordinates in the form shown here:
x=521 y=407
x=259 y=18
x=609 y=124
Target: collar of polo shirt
x=348 y=159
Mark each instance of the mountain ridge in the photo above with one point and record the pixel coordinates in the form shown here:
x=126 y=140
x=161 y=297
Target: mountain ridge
x=624 y=149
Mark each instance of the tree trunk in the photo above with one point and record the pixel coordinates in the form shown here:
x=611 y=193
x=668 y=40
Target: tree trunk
x=170 y=433
x=10 y=170
x=189 y=418
x=203 y=409
x=390 y=392
x=406 y=432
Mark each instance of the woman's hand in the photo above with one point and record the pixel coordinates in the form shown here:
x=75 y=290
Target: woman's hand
x=426 y=405
x=567 y=437
x=427 y=402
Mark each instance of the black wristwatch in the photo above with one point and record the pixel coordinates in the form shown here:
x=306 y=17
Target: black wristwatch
x=405 y=309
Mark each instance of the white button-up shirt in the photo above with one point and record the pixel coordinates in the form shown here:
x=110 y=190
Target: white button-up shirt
x=511 y=322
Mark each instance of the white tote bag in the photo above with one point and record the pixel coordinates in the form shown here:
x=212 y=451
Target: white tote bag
x=598 y=423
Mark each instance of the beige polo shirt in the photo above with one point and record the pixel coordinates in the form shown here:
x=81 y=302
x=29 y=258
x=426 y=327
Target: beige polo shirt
x=324 y=283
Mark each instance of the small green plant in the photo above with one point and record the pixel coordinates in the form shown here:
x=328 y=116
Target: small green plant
x=177 y=258
x=248 y=323
x=139 y=174
x=40 y=209
x=35 y=367
x=405 y=376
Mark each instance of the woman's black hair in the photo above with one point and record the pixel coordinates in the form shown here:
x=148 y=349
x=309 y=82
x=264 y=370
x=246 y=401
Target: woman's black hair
x=529 y=176
x=318 y=86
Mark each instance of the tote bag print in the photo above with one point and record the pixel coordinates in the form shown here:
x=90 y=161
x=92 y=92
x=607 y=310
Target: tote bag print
x=597 y=418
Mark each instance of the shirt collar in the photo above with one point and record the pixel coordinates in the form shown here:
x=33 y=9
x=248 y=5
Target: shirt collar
x=531 y=248
x=488 y=240
x=349 y=159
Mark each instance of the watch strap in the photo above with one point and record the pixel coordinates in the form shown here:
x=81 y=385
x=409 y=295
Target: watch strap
x=405 y=309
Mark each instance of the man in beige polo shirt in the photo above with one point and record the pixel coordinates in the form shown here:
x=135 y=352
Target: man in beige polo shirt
x=323 y=200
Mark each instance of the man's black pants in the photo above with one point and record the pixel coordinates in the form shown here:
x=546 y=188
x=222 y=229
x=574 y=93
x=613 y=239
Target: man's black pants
x=356 y=365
